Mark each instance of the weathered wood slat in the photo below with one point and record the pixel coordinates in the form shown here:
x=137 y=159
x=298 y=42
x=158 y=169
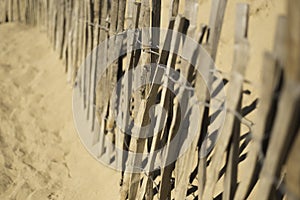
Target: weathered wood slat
x=95 y=52
x=89 y=57
x=101 y=97
x=54 y=22
x=282 y=134
x=138 y=144
x=167 y=102
x=140 y=75
x=147 y=186
x=18 y=10
x=230 y=180
x=241 y=55
x=218 y=8
x=142 y=72
x=123 y=138
x=287 y=119
x=188 y=158
x=231 y=174
x=2 y=11
x=271 y=77
x=112 y=76
x=182 y=176
x=155 y=23
x=10 y=10
x=133 y=14
x=293 y=170
x=75 y=40
x=69 y=35
x=132 y=23
x=118 y=66
x=84 y=52
x=293 y=40
x=60 y=28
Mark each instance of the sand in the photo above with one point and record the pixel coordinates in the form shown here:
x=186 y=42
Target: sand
x=41 y=156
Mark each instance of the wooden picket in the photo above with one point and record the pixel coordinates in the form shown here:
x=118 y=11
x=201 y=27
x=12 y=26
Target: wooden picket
x=76 y=27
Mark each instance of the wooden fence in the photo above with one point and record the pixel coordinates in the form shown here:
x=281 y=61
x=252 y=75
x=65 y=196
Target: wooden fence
x=269 y=149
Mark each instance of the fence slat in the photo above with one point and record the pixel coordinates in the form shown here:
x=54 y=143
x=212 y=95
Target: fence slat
x=230 y=180
x=293 y=40
x=293 y=171
x=133 y=15
x=215 y=24
x=271 y=78
x=188 y=158
x=167 y=100
x=241 y=55
x=287 y=119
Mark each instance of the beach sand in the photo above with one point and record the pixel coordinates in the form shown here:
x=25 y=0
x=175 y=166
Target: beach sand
x=41 y=156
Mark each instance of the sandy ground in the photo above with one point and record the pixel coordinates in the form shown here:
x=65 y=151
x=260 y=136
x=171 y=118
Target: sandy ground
x=41 y=156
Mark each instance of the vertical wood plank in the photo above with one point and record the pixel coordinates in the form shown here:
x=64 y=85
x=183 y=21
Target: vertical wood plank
x=167 y=100
x=293 y=170
x=271 y=77
x=10 y=11
x=101 y=93
x=155 y=23
x=293 y=40
x=241 y=55
x=230 y=180
x=132 y=19
x=287 y=119
x=294 y=64
x=215 y=24
x=18 y=10
x=96 y=33
x=119 y=140
x=112 y=77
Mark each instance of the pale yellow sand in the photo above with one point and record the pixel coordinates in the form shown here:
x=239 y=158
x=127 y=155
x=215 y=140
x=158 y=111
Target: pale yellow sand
x=41 y=156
